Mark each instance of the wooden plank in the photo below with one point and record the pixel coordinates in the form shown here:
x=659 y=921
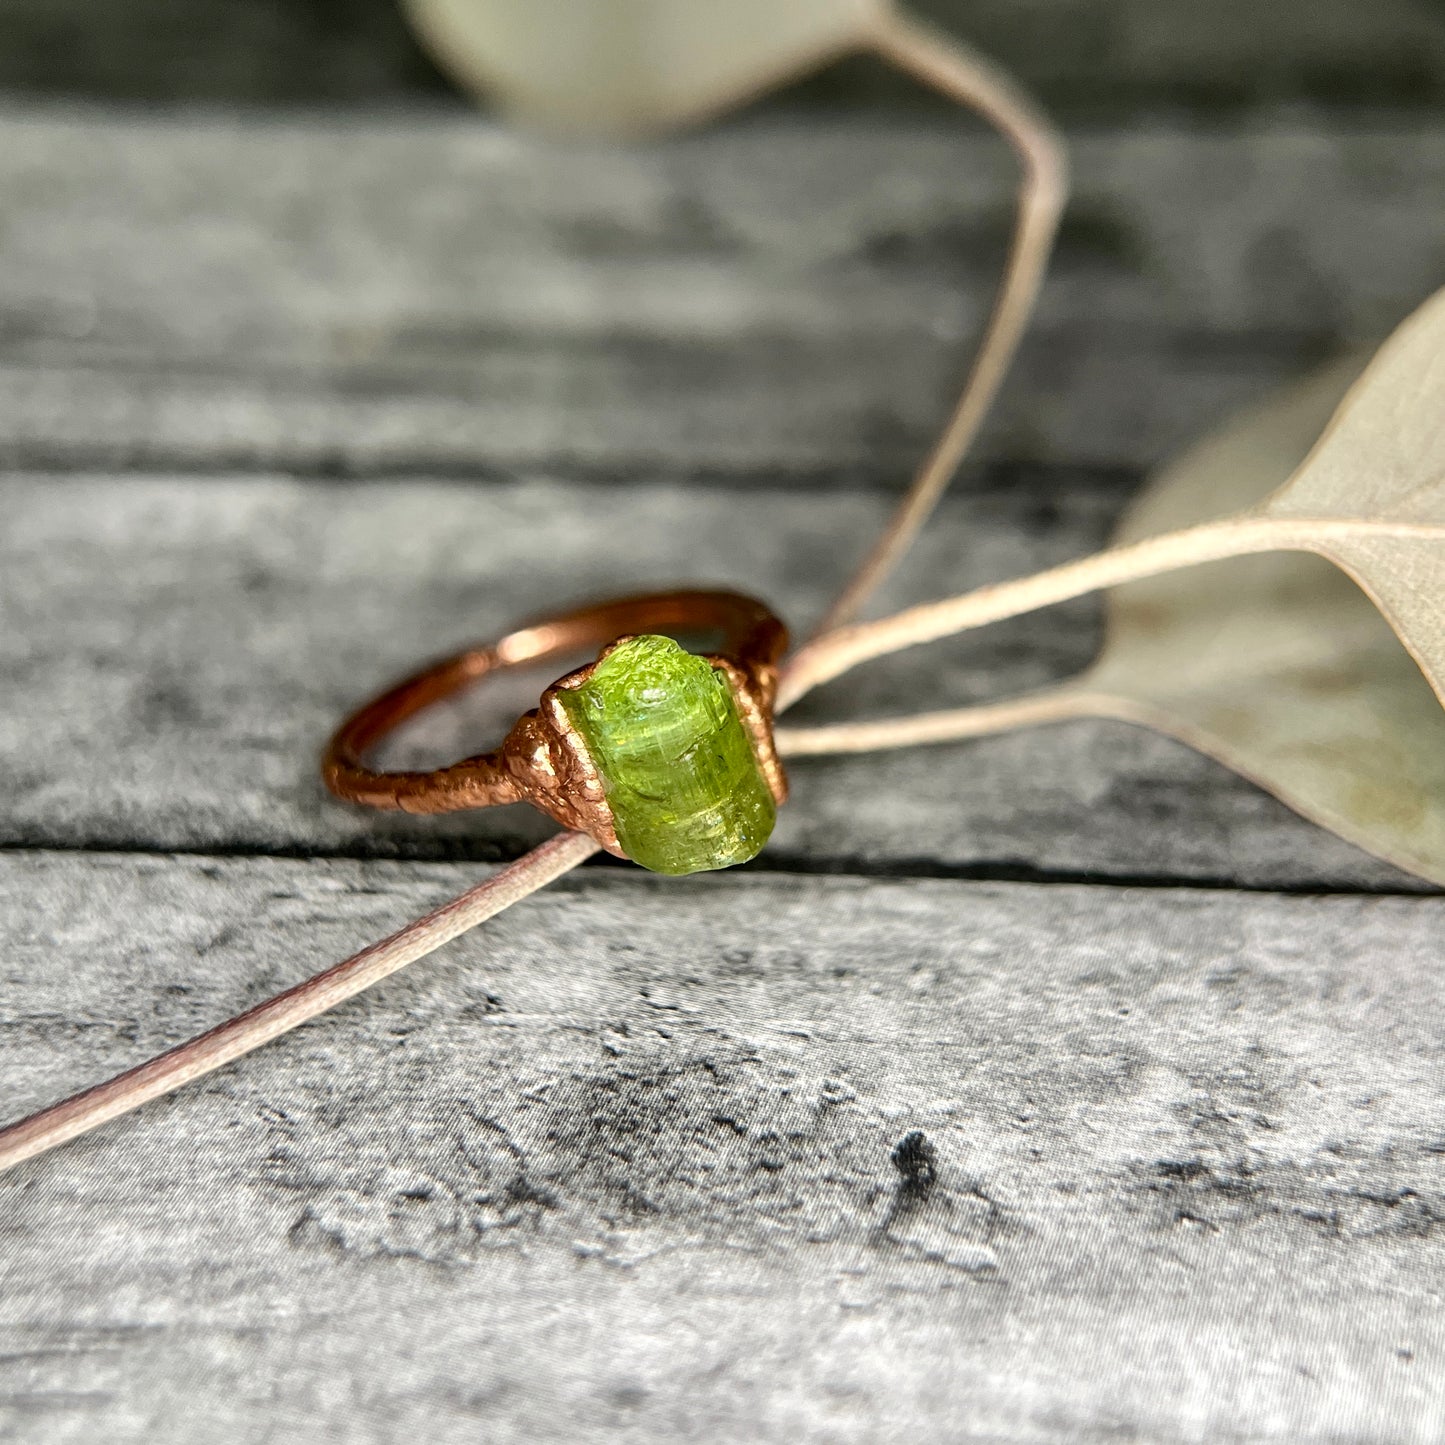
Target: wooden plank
x=174 y=655
x=779 y=302
x=740 y=1157
x=1086 y=56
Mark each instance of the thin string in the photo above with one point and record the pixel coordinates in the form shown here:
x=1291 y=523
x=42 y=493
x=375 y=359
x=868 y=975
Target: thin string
x=279 y=1015
x=839 y=652
x=975 y=82
x=920 y=729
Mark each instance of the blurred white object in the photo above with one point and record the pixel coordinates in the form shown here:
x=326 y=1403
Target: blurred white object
x=622 y=66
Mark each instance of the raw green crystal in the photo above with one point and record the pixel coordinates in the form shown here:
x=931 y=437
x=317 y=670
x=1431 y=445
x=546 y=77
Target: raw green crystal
x=676 y=762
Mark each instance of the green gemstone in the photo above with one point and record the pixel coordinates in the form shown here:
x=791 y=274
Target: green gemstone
x=676 y=762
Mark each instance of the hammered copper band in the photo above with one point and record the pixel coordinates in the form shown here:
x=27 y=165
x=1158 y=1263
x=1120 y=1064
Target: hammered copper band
x=534 y=764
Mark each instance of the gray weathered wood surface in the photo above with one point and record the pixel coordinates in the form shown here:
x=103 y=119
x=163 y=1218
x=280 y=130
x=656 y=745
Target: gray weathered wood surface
x=180 y=649
x=622 y=1165
x=910 y=1152
x=439 y=295
x=1085 y=57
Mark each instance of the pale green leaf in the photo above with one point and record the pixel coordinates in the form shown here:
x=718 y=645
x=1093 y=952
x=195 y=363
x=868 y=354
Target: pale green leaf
x=1233 y=622
x=618 y=66
x=1277 y=664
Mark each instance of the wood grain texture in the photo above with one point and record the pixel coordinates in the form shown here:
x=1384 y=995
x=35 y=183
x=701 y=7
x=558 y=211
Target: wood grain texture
x=1089 y=57
x=710 y=356
x=729 y=1158
x=176 y=652
x=286 y=406
x=767 y=303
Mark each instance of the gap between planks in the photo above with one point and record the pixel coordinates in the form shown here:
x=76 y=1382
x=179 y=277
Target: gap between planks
x=782 y=866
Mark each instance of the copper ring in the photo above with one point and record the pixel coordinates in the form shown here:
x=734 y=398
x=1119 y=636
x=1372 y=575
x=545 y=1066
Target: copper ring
x=542 y=760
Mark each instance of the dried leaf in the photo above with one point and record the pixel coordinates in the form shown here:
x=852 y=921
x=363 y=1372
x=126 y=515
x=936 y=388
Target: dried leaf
x=1371 y=496
x=1266 y=657
x=1277 y=664
x=618 y=66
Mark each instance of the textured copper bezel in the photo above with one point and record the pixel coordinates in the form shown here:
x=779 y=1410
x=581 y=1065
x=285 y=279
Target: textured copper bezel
x=560 y=768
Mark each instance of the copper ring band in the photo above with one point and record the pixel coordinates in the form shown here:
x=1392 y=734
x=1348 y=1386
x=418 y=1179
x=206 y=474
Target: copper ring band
x=542 y=762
